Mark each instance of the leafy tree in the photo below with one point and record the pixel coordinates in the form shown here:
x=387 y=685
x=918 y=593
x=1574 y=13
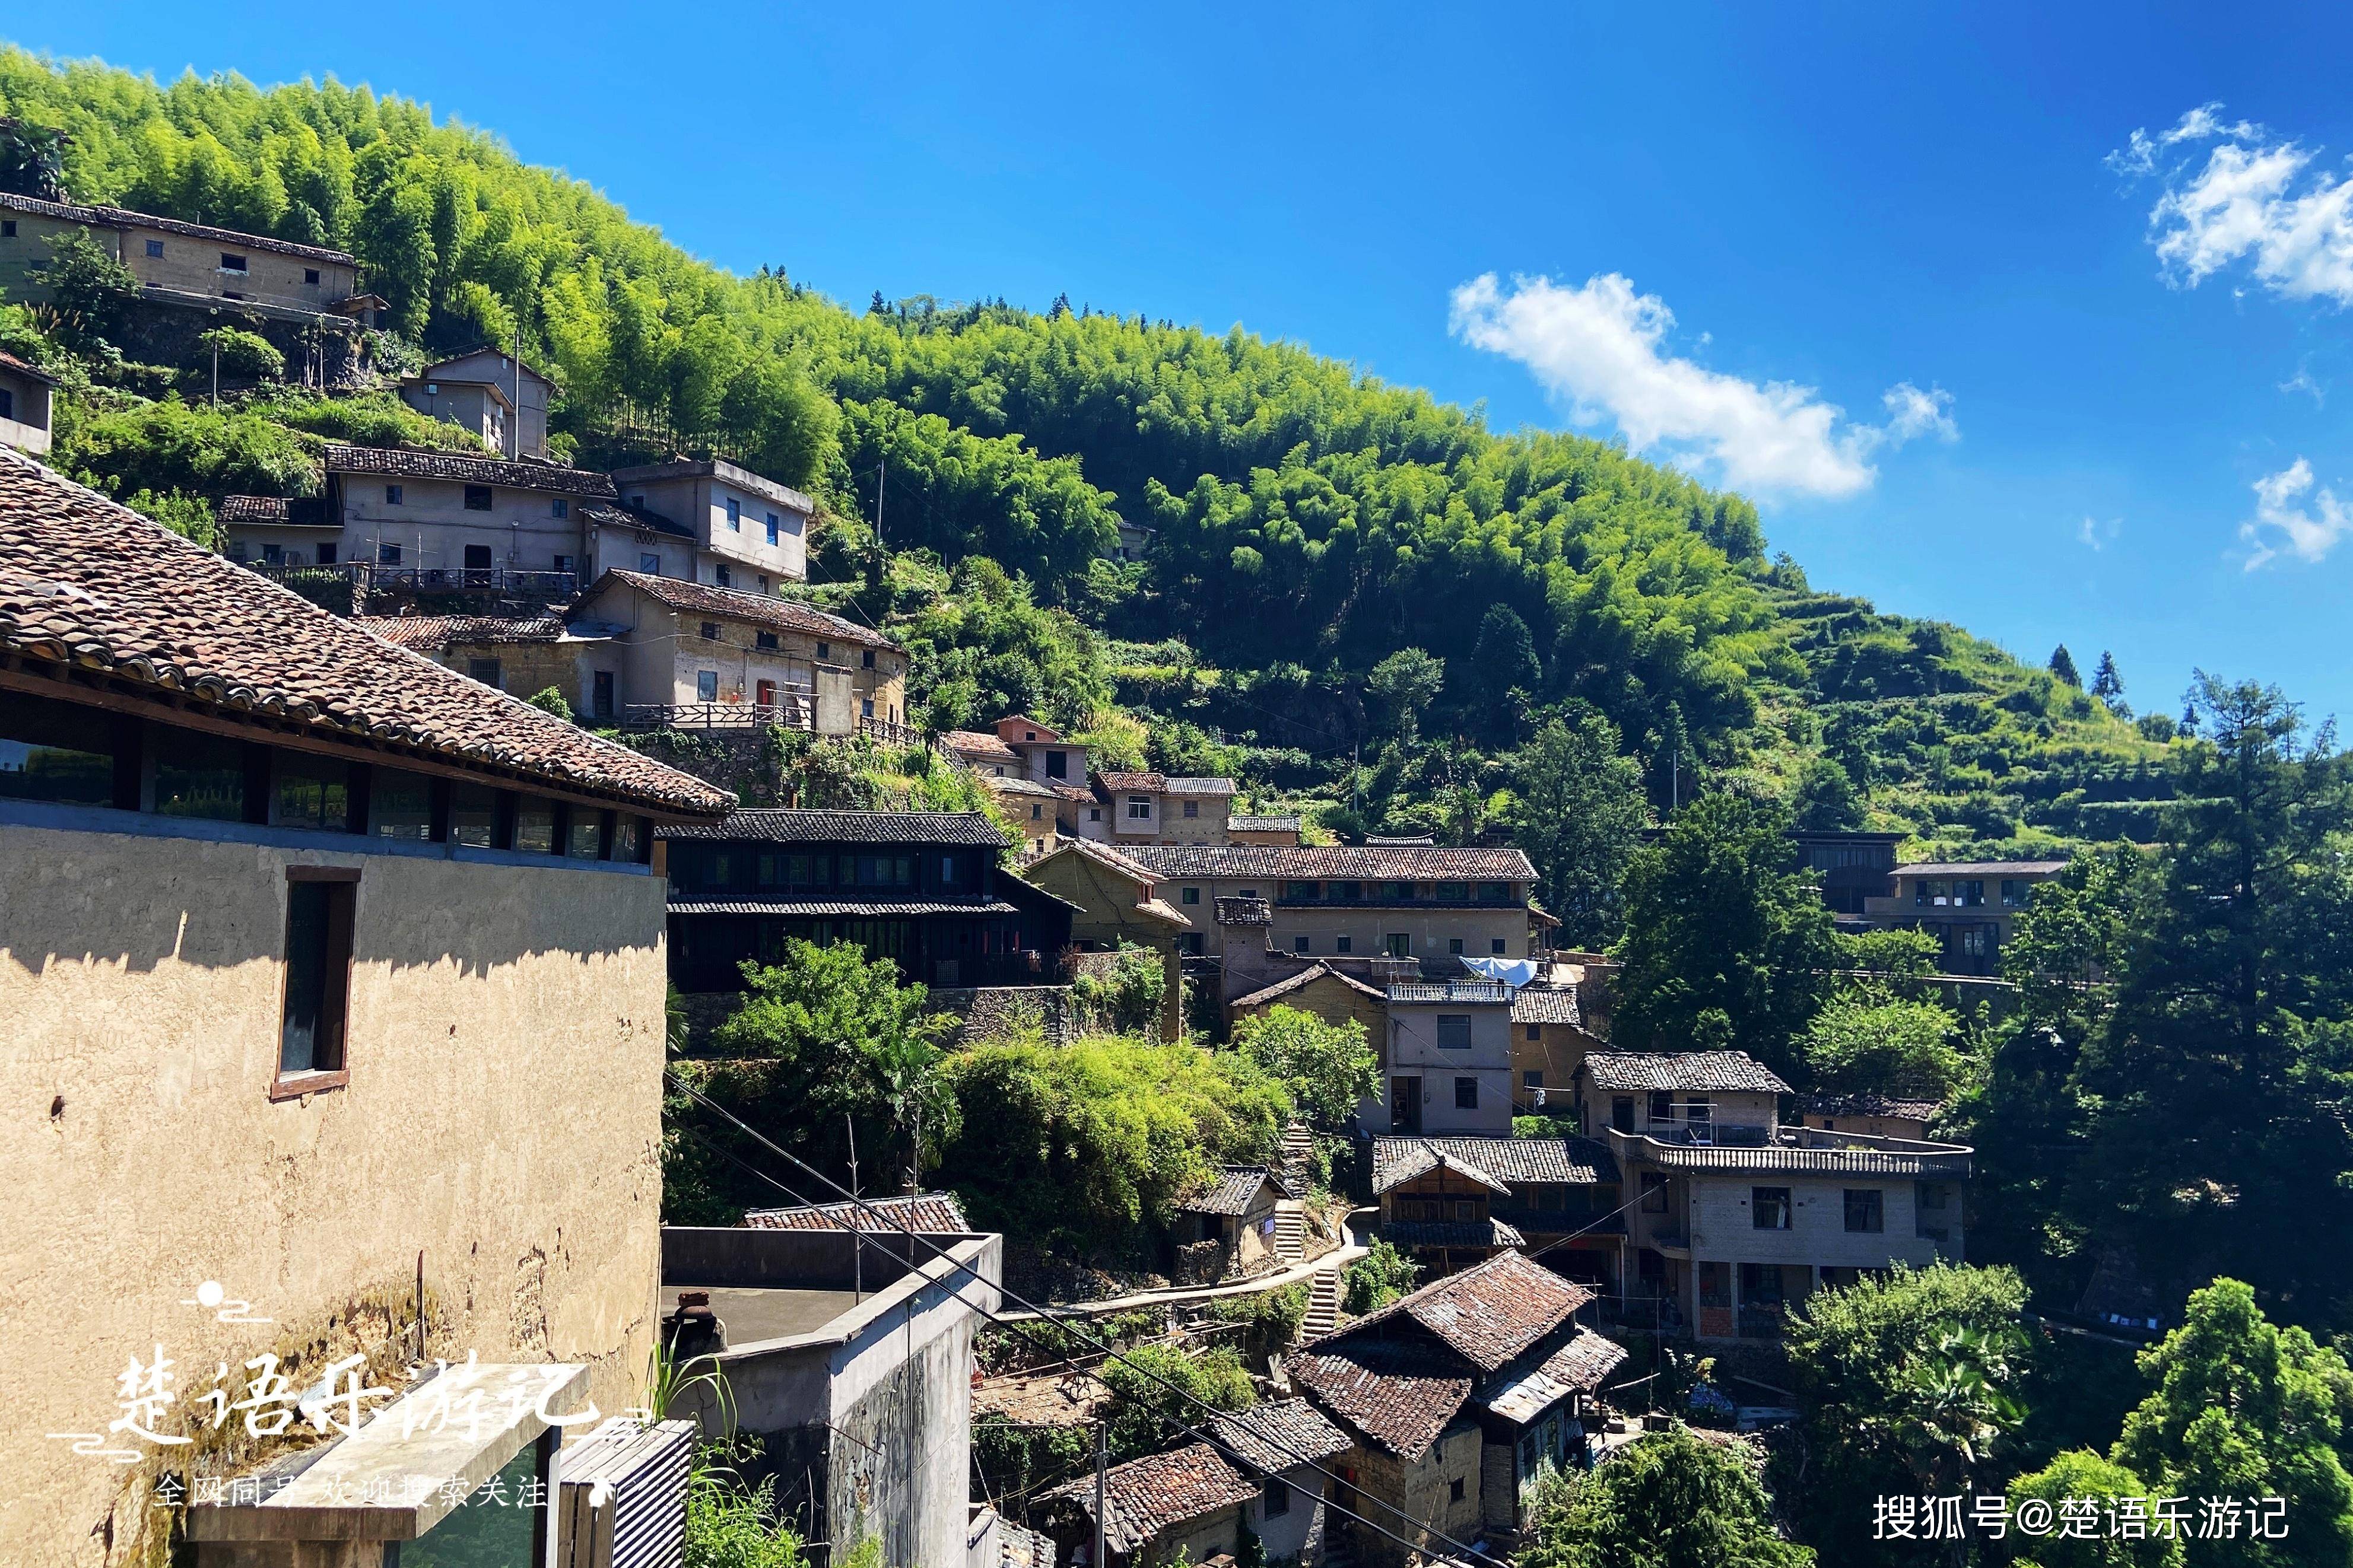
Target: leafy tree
x=1127 y=999
x=1504 y=660
x=1578 y=809
x=32 y=160
x=1405 y=684
x=2074 y=1478
x=1329 y=1069
x=1827 y=800
x=551 y=699
x=1906 y=1383
x=1137 y=1419
x=1668 y=1500
x=246 y=356
x=1868 y=1040
x=2242 y=1409
x=90 y=295
x=1726 y=942
x=2063 y=665
x=1375 y=1279
x=194 y=449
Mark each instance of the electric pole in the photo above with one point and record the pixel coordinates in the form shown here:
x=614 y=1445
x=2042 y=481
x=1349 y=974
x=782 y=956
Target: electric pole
x=1102 y=1464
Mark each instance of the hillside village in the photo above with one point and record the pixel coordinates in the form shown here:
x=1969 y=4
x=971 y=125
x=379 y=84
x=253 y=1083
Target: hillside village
x=580 y=946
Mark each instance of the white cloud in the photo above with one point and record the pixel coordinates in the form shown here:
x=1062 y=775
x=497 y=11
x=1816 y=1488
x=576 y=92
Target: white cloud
x=2302 y=381
x=1602 y=348
x=2294 y=517
x=2256 y=198
x=2099 y=535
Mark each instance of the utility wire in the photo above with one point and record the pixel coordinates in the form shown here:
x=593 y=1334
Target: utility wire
x=1068 y=1325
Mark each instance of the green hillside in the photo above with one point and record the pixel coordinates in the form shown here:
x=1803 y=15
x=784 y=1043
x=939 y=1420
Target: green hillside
x=1310 y=521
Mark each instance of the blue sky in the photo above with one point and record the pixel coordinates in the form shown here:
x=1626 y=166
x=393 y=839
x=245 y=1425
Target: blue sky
x=1877 y=265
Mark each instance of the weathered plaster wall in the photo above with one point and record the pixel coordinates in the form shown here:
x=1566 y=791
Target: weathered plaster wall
x=503 y=1119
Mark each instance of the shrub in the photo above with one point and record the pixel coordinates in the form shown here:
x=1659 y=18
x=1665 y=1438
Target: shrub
x=243 y=355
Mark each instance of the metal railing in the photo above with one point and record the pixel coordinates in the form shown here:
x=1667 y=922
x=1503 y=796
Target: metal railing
x=890 y=734
x=717 y=716
x=1723 y=1149
x=509 y=581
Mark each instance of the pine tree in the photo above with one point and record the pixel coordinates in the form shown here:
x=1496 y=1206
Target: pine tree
x=2106 y=684
x=878 y=308
x=2063 y=665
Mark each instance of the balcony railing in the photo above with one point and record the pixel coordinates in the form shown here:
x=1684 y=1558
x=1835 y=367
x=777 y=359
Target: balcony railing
x=889 y=733
x=500 y=580
x=717 y=716
x=1726 y=1149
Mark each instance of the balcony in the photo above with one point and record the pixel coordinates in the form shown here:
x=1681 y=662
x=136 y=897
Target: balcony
x=1722 y=1149
x=709 y=716
x=494 y=582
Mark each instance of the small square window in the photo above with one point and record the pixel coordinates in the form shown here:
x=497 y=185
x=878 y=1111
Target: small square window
x=1532 y=1078
x=650 y=564
x=1865 y=1210
x=9 y=231
x=563 y=507
x=1037 y=812
x=706 y=686
x=311 y=275
x=767 y=640
x=1769 y=1208
x=1466 y=1094
x=1190 y=895
x=1454 y=1031
x=720 y=575
x=1453 y=945
x=1299 y=944
x=392 y=495
x=387 y=554
x=866 y=659
x=866 y=708
x=1344 y=944
x=1495 y=944
x=485 y=670
x=478 y=498
x=1535 y=1031
x=1192 y=808
x=231 y=262
x=825 y=650
x=155 y=248
x=710 y=631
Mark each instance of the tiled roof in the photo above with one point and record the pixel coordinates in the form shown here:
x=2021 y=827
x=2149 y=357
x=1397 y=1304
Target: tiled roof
x=1014 y=784
x=1236 y=1188
x=1423 y=1156
x=766 y=825
x=251 y=508
x=506 y=360
x=1280 y=1434
x=1310 y=863
x=1263 y=823
x=1463 y=992
x=1450 y=1232
x=615 y=514
x=1490 y=1313
x=1019 y=1546
x=1578 y=1161
x=1245 y=912
x=1577 y=1367
x=864 y=909
x=120 y=217
x=1533 y=1005
x=927 y=1213
x=1399 y=840
x=10 y=363
x=431 y=634
x=1869 y=1105
x=1142 y=783
x=1200 y=786
x=1106 y=855
x=1312 y=972
x=1400 y=1396
x=86 y=581
x=1719 y=1072
x=402 y=462
x=789 y=615
x=1147 y=1495
x=1981 y=869
x=1022 y=728
x=974 y=743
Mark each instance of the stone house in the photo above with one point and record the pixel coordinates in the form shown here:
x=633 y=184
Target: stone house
x=1455 y=1398
x=25 y=404
x=1970 y=907
x=185 y=264
x=1446 y=1059
x=1397 y=900
x=1118 y=903
x=1549 y=1041
x=492 y=394
x=1741 y=1216
x=1273 y=830
x=1236 y=1215
x=677 y=644
x=327 y=913
x=1047 y=809
x=1155 y=808
x=438 y=516
x=1459 y=1199
x=1264 y=1472
x=1323 y=991
x=921 y=888
x=520 y=654
x=751 y=532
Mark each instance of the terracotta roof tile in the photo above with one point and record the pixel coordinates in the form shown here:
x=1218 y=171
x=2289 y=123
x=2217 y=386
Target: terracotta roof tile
x=85 y=581
x=1365 y=863
x=9 y=362
x=1140 y=784
x=1279 y=1435
x=1871 y=1105
x=975 y=744
x=1574 y=1162
x=1400 y=1396
x=1147 y=1495
x=406 y=462
x=928 y=1214
x=1536 y=1005
x=1236 y=1188
x=1314 y=972
x=1487 y=1314
x=766 y=825
x=1719 y=1072
x=123 y=218
x=431 y=634
x=1245 y=912
x=703 y=598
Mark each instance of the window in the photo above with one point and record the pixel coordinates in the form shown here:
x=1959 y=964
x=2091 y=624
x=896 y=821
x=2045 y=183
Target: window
x=319 y=902
x=8 y=403
x=562 y=564
x=1347 y=892
x=1398 y=892
x=534 y=832
x=1278 y=1498
x=9 y=231
x=706 y=686
x=825 y=650
x=387 y=554
x=1094 y=813
x=1654 y=1192
x=1139 y=806
x=1454 y=892
x=1299 y=944
x=1454 y=1489
x=766 y=640
x=1454 y=1031
x=1532 y=1078
x=1192 y=808
x=402 y=804
x=1865 y=1210
x=311 y=275
x=478 y=558
x=710 y=631
x=1058 y=764
x=1037 y=814
x=326 y=555
x=866 y=708
x=1494 y=892
x=1663 y=1106
x=1536 y=1032
x=721 y=576
x=1973 y=942
x=866 y=659
x=392 y=495
x=650 y=564
x=1344 y=944
x=478 y=498
x=1495 y=944
x=734 y=514
x=1300 y=891
x=485 y=670
x=313 y=793
x=1969 y=894
x=1622 y=1113
x=1400 y=943
x=772 y=528
x=1190 y=895
x=584 y=838
x=155 y=247
x=764 y=582
x=231 y=294
x=1453 y=945
x=202 y=776
x=563 y=507
x=55 y=750
x=1769 y=1208
x=631 y=840
x=2013 y=894
x=232 y=262
x=474 y=816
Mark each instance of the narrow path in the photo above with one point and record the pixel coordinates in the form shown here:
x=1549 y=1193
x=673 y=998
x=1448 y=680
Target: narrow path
x=1337 y=1259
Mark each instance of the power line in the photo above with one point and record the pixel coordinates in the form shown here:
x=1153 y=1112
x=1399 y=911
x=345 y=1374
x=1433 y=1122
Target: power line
x=1067 y=1324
